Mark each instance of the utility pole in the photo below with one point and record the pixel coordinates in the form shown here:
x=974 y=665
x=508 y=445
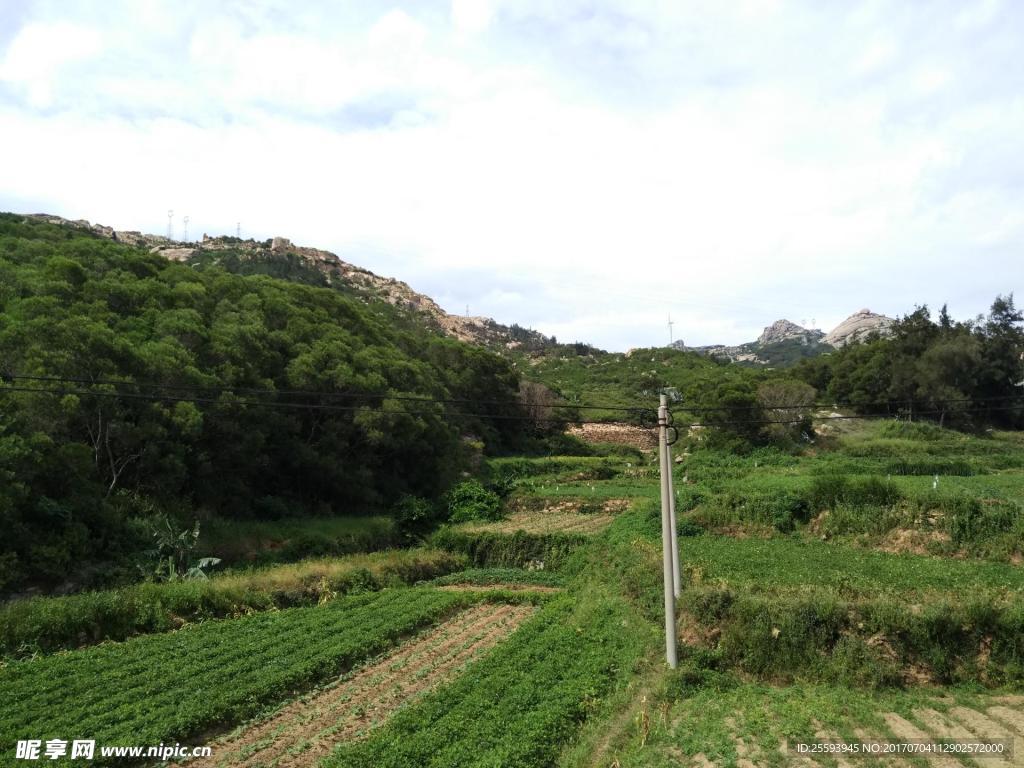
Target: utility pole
x=677 y=582
x=667 y=535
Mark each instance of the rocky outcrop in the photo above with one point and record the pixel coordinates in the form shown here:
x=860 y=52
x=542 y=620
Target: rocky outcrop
x=784 y=330
x=770 y=347
x=858 y=327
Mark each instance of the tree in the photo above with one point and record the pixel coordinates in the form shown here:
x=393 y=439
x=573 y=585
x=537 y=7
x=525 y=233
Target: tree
x=784 y=401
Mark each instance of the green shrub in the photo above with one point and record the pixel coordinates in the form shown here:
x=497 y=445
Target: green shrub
x=912 y=430
x=469 y=500
x=968 y=520
x=414 y=517
x=828 y=491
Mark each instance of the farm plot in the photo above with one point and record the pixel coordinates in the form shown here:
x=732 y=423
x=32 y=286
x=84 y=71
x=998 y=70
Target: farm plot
x=303 y=732
x=162 y=688
x=520 y=704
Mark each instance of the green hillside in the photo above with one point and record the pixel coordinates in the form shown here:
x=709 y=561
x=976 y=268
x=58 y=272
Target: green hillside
x=159 y=388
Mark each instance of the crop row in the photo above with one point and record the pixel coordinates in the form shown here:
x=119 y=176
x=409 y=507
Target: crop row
x=162 y=688
x=519 y=705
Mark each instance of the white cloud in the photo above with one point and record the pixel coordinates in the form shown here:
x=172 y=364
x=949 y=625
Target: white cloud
x=471 y=16
x=626 y=159
x=39 y=53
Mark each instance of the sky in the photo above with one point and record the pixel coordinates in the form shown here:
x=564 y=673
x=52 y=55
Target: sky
x=583 y=168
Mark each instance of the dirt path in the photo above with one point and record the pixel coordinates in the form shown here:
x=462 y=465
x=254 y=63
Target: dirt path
x=306 y=730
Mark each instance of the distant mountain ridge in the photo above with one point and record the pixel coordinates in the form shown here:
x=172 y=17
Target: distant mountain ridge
x=784 y=342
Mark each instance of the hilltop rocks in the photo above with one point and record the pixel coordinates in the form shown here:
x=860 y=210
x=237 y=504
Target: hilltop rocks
x=858 y=327
x=175 y=254
x=784 y=330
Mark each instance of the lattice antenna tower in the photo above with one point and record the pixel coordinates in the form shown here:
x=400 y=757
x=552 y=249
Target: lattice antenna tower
x=670 y=324
x=170 y=225
x=185 y=222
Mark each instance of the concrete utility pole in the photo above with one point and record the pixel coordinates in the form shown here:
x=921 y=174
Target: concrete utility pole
x=667 y=535
x=677 y=585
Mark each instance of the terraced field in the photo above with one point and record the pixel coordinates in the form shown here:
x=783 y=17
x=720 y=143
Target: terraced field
x=548 y=651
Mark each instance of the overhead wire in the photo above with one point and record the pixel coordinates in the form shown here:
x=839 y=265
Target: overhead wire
x=304 y=392
x=148 y=397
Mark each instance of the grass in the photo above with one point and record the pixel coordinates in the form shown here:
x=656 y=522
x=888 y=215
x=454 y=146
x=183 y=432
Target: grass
x=787 y=563
x=44 y=624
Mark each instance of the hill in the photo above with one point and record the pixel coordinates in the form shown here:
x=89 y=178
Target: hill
x=279 y=257
x=136 y=385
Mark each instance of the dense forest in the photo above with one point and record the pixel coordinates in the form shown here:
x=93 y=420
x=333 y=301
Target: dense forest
x=134 y=386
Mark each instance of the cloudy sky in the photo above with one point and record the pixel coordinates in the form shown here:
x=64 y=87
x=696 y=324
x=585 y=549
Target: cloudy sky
x=584 y=168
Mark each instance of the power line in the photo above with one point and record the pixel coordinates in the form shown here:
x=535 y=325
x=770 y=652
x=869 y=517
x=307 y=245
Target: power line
x=314 y=393
x=837 y=417
x=876 y=404
x=301 y=406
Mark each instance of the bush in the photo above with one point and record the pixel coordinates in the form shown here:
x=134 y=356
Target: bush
x=828 y=491
x=414 y=517
x=469 y=501
x=912 y=430
x=968 y=520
